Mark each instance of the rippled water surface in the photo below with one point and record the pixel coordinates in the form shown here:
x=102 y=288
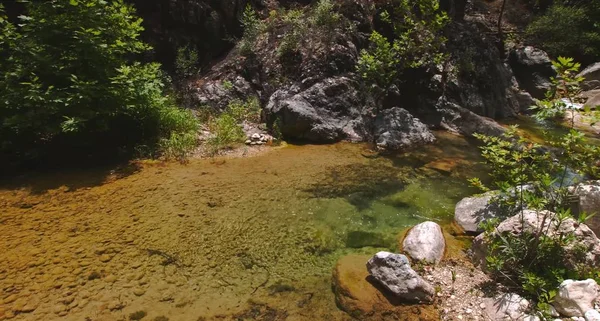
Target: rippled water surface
x=248 y=238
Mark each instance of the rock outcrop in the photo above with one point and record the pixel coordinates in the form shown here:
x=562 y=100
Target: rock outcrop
x=533 y=69
x=393 y=271
x=591 y=72
x=588 y=194
x=461 y=120
x=575 y=298
x=425 y=242
x=470 y=212
x=328 y=111
x=365 y=299
x=397 y=129
x=531 y=222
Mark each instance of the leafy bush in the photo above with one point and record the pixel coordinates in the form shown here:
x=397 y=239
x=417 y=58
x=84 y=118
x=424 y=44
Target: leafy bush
x=67 y=82
x=536 y=262
x=226 y=129
x=417 y=41
x=571 y=30
x=253 y=27
x=186 y=62
x=324 y=15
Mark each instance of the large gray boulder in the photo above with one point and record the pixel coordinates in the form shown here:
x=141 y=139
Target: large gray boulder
x=461 y=120
x=531 y=221
x=533 y=69
x=588 y=194
x=425 y=242
x=397 y=129
x=328 y=111
x=575 y=298
x=393 y=271
x=591 y=72
x=470 y=212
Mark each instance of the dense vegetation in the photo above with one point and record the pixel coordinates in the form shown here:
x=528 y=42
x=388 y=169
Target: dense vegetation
x=529 y=176
x=568 y=27
x=70 y=83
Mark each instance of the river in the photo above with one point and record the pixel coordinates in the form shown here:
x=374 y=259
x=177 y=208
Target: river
x=251 y=238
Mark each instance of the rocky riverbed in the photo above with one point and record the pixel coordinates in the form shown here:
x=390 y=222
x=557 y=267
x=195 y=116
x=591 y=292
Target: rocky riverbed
x=254 y=238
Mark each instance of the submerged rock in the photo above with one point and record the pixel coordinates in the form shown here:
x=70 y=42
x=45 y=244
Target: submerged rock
x=393 y=271
x=358 y=239
x=358 y=294
x=575 y=298
x=425 y=242
x=396 y=128
x=531 y=221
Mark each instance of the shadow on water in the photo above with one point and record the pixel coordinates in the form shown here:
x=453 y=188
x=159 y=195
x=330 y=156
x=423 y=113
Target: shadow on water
x=73 y=179
x=359 y=184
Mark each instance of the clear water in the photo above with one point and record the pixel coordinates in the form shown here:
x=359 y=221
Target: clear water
x=249 y=238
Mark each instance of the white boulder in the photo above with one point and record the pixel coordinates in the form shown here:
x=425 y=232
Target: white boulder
x=575 y=298
x=425 y=242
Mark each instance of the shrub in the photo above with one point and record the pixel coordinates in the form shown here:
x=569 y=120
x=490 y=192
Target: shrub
x=570 y=30
x=186 y=62
x=253 y=27
x=416 y=41
x=68 y=83
x=535 y=262
x=226 y=129
x=225 y=132
x=324 y=15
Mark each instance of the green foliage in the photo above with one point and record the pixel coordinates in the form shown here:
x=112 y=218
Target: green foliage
x=527 y=175
x=379 y=64
x=568 y=29
x=324 y=15
x=417 y=41
x=226 y=129
x=253 y=27
x=227 y=85
x=186 y=62
x=66 y=79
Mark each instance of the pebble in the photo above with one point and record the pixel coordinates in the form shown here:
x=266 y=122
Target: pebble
x=59 y=308
x=139 y=291
x=105 y=258
x=468 y=311
x=111 y=278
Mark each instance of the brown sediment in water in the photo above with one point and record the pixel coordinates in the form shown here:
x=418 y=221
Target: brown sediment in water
x=209 y=239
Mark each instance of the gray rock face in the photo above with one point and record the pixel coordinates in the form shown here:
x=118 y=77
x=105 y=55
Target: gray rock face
x=396 y=128
x=575 y=298
x=425 y=242
x=593 y=102
x=532 y=68
x=458 y=119
x=525 y=101
x=507 y=306
x=591 y=72
x=393 y=271
x=589 y=202
x=471 y=211
x=531 y=221
x=328 y=111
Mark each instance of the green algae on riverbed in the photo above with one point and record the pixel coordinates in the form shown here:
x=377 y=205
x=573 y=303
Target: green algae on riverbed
x=215 y=237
